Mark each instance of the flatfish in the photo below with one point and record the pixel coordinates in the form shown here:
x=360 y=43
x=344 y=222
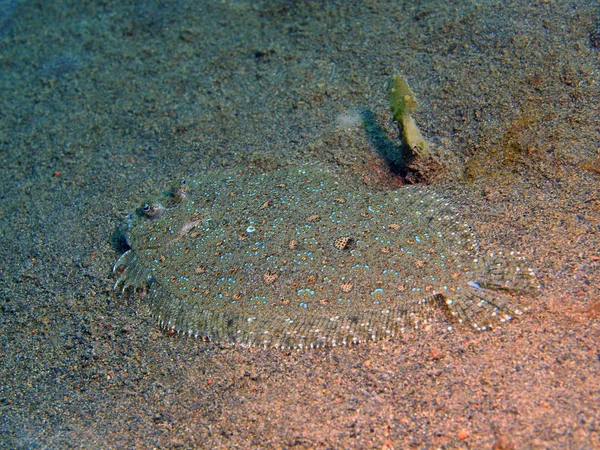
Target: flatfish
x=299 y=257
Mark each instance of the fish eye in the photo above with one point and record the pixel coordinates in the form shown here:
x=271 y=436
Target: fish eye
x=151 y=210
x=180 y=191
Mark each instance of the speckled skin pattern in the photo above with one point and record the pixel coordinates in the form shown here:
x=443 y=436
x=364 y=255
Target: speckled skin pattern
x=301 y=258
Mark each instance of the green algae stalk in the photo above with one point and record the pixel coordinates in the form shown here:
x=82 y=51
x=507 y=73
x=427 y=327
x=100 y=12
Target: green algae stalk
x=402 y=103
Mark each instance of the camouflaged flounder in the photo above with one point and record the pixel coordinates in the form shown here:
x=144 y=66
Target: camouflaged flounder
x=300 y=258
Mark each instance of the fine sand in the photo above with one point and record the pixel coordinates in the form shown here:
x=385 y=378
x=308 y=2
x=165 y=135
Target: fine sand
x=104 y=103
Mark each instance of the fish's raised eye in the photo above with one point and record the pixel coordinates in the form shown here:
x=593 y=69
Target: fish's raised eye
x=179 y=192
x=151 y=210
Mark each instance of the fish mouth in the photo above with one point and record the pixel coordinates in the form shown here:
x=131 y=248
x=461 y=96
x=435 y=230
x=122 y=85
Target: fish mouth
x=128 y=269
x=121 y=235
x=132 y=273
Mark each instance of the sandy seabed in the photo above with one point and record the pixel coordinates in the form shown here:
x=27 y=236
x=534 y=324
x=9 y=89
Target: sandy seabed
x=104 y=103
